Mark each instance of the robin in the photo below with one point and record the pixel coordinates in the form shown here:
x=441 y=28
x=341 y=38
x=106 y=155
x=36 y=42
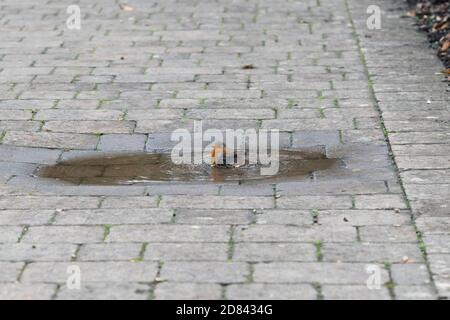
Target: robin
x=222 y=156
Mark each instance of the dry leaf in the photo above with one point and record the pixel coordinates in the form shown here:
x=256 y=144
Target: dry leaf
x=445 y=46
x=248 y=67
x=440 y=26
x=126 y=7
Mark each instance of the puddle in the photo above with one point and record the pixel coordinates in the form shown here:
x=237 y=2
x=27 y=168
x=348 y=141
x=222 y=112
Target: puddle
x=142 y=168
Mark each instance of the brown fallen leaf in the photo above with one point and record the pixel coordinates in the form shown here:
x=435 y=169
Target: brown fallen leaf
x=440 y=26
x=446 y=71
x=445 y=45
x=248 y=67
x=126 y=7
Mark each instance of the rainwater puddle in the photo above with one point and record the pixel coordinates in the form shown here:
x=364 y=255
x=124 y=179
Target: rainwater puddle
x=144 y=168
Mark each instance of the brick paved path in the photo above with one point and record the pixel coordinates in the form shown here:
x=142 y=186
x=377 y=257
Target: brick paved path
x=128 y=78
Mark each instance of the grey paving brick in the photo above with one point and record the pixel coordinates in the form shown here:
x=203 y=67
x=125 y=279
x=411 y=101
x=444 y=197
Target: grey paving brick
x=205 y=272
x=187 y=291
x=183 y=189
x=302 y=139
x=111 y=272
x=127 y=202
x=10 y=234
x=257 y=291
x=428 y=192
x=371 y=252
x=18 y=291
x=283 y=217
x=308 y=233
x=26 y=104
x=36 y=252
x=10 y=271
x=323 y=273
x=120 y=142
x=437 y=243
x=51 y=202
x=426 y=176
x=25 y=217
x=109 y=252
x=363 y=136
x=106 y=291
x=114 y=216
x=203 y=114
x=354 y=292
x=34 y=94
x=225 y=202
x=258 y=190
x=97 y=94
x=29 y=155
x=51 y=140
x=155 y=126
x=314 y=202
x=421 y=150
x=159 y=142
x=380 y=202
x=205 y=216
x=151 y=78
x=410 y=274
x=161 y=114
x=394 y=233
x=93 y=190
x=68 y=115
x=416 y=292
x=94 y=127
x=266 y=252
x=434 y=225
x=18 y=125
x=169 y=233
x=419 y=137
x=307 y=139
x=69 y=234
x=187 y=252
x=14 y=114
x=364 y=217
x=77 y=104
x=340 y=187
x=440 y=265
